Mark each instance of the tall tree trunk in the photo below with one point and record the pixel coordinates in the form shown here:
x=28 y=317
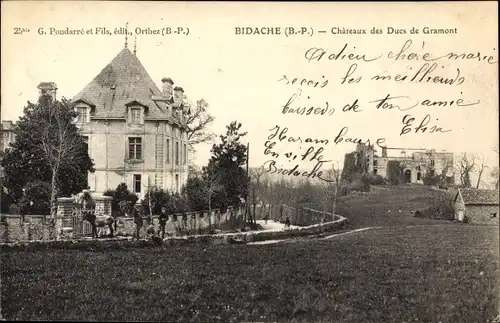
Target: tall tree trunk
x=479 y=177
x=53 y=194
x=325 y=209
x=209 y=211
x=334 y=206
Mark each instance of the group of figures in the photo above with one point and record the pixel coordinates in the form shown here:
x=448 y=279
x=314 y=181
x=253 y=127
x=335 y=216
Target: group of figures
x=85 y=208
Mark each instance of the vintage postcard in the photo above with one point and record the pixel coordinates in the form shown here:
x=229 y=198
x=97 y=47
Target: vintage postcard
x=249 y=161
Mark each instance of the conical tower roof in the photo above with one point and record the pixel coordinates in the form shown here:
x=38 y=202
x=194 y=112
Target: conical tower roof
x=123 y=81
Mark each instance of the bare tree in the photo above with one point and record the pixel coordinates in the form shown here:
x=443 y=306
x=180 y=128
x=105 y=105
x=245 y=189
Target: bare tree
x=211 y=178
x=331 y=187
x=466 y=164
x=494 y=171
x=60 y=144
x=197 y=122
x=256 y=176
x=481 y=166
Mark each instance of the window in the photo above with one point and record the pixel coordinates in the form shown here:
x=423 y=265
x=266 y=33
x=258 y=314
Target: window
x=177 y=182
x=168 y=151
x=418 y=168
x=137 y=183
x=177 y=153
x=134 y=148
x=135 y=116
x=494 y=215
x=375 y=172
x=82 y=115
x=432 y=162
x=375 y=162
x=419 y=176
x=185 y=154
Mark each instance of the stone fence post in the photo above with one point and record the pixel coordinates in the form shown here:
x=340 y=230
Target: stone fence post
x=103 y=205
x=64 y=211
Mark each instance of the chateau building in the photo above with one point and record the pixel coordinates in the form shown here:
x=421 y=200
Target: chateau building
x=135 y=132
x=410 y=166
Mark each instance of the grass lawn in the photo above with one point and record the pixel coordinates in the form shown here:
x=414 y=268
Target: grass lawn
x=435 y=273
x=389 y=206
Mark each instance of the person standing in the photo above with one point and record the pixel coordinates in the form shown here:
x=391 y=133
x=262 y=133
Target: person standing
x=138 y=221
x=163 y=218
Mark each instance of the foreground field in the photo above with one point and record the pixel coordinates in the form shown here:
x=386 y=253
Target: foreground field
x=426 y=273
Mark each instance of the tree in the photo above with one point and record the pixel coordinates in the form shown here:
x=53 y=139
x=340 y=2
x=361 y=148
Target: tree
x=466 y=164
x=36 y=198
x=196 y=193
x=47 y=147
x=481 y=166
x=331 y=187
x=197 y=122
x=256 y=190
x=212 y=186
x=155 y=199
x=494 y=173
x=228 y=158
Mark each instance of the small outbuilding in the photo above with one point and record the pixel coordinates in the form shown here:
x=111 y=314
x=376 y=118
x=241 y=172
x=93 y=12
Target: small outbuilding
x=476 y=206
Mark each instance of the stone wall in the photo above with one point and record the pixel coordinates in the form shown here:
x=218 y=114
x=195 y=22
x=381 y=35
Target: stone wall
x=27 y=228
x=38 y=227
x=482 y=214
x=216 y=239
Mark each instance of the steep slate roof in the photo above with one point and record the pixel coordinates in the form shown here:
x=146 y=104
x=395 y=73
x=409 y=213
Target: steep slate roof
x=120 y=83
x=479 y=196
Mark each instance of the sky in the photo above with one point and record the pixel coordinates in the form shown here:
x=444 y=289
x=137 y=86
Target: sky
x=238 y=75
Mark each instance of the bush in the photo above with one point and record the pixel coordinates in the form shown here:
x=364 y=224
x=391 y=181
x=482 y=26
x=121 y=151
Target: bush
x=159 y=198
x=431 y=179
x=372 y=179
x=196 y=193
x=36 y=198
x=181 y=203
x=13 y=209
x=120 y=194
x=440 y=209
x=360 y=184
x=5 y=200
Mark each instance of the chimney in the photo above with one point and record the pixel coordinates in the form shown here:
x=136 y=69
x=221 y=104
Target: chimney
x=178 y=96
x=167 y=87
x=384 y=151
x=48 y=88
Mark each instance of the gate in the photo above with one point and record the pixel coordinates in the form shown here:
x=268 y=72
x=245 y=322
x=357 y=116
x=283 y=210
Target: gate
x=80 y=226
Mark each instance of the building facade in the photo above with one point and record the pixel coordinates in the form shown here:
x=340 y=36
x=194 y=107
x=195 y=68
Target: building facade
x=6 y=134
x=135 y=132
x=410 y=166
x=476 y=206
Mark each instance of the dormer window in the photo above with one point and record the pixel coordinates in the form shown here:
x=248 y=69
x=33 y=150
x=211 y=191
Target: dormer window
x=83 y=115
x=135 y=112
x=135 y=115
